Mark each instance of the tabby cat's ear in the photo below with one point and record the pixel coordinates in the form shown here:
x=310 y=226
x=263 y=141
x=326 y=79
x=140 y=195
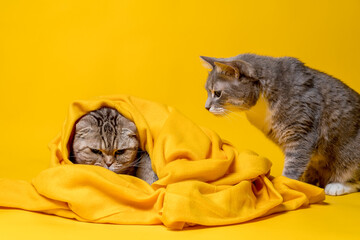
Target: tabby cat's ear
x=128 y=132
x=85 y=122
x=228 y=69
x=208 y=62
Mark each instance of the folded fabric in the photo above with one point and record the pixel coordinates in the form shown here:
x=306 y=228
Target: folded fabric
x=202 y=178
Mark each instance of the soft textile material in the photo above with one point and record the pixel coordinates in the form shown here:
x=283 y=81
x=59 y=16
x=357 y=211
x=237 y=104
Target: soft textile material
x=202 y=178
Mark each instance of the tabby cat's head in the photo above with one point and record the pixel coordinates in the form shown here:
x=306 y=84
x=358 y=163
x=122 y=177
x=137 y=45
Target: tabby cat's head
x=106 y=138
x=231 y=85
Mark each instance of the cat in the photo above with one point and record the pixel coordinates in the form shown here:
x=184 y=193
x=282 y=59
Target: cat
x=313 y=117
x=106 y=138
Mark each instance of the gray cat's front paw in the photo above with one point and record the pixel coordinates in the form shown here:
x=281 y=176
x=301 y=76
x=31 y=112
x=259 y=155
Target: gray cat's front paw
x=336 y=189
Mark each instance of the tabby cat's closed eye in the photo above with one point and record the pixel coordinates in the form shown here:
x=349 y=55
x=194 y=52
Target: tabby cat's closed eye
x=119 y=152
x=96 y=151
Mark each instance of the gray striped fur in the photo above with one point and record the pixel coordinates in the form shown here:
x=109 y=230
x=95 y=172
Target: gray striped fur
x=313 y=117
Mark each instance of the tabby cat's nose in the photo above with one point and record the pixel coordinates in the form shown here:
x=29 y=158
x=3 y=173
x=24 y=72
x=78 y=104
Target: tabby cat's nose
x=108 y=161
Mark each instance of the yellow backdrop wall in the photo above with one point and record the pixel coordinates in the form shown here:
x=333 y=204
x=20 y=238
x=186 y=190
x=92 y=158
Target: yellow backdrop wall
x=54 y=52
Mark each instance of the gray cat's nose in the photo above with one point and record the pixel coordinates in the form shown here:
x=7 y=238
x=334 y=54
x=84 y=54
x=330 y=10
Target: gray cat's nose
x=208 y=103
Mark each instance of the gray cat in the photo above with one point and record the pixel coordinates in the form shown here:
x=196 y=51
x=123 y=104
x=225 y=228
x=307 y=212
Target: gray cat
x=106 y=138
x=313 y=117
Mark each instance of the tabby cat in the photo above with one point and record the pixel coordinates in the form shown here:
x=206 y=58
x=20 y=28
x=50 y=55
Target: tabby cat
x=313 y=117
x=106 y=138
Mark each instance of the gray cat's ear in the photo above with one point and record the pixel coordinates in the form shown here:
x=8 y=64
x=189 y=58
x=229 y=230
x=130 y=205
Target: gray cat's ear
x=246 y=69
x=208 y=62
x=236 y=69
x=228 y=69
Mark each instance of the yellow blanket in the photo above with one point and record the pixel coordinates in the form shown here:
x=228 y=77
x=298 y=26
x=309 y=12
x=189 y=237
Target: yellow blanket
x=202 y=178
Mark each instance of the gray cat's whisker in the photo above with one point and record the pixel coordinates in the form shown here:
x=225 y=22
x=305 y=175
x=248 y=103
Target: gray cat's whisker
x=232 y=115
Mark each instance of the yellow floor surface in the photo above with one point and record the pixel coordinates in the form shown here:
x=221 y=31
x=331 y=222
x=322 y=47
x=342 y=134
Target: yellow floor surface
x=334 y=219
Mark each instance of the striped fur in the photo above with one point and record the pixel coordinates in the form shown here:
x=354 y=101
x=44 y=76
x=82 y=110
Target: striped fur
x=106 y=138
x=313 y=117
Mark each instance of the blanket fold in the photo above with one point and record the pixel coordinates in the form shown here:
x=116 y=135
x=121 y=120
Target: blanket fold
x=202 y=178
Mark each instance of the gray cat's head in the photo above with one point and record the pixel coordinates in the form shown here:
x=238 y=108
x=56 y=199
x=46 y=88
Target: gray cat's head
x=106 y=138
x=232 y=84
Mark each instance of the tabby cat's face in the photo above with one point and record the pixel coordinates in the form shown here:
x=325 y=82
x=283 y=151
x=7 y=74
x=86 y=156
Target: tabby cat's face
x=231 y=86
x=105 y=138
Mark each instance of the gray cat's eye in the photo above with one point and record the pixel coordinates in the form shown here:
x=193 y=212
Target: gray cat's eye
x=217 y=94
x=96 y=151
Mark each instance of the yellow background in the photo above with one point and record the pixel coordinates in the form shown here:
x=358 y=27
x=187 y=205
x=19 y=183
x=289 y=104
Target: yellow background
x=54 y=52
